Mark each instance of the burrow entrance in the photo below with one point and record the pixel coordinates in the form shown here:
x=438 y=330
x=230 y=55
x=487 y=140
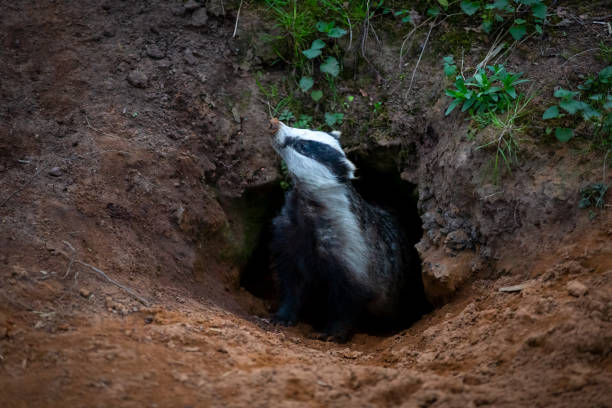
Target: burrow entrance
x=379 y=182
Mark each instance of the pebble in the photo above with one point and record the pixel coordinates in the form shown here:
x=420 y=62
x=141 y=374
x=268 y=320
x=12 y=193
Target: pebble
x=577 y=288
x=148 y=319
x=190 y=58
x=154 y=52
x=84 y=292
x=56 y=172
x=192 y=5
x=138 y=79
x=457 y=240
x=199 y=18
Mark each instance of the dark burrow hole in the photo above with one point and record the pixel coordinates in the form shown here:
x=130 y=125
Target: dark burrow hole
x=379 y=183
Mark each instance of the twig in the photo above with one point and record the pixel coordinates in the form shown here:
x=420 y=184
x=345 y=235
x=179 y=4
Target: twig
x=580 y=53
x=350 y=33
x=114 y=282
x=71 y=259
x=604 y=167
x=89 y=125
x=420 y=56
x=237 y=18
x=408 y=37
x=101 y=273
x=20 y=189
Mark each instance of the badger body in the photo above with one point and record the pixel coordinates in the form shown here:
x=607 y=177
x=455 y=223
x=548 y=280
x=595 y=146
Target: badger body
x=333 y=252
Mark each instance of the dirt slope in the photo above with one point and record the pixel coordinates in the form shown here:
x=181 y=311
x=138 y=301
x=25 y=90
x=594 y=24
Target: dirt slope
x=133 y=141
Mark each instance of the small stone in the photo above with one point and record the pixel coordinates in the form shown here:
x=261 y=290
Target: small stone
x=190 y=58
x=192 y=5
x=138 y=79
x=154 y=51
x=3 y=332
x=576 y=288
x=199 y=18
x=148 y=319
x=56 y=172
x=84 y=292
x=457 y=240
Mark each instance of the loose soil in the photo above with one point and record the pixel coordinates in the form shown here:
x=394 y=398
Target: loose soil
x=133 y=147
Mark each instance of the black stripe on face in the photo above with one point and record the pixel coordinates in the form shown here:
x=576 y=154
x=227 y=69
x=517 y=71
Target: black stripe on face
x=331 y=158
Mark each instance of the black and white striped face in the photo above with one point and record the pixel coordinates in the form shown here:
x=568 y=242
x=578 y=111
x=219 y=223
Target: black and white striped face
x=312 y=157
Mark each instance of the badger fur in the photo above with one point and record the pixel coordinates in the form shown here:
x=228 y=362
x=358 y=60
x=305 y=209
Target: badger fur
x=331 y=250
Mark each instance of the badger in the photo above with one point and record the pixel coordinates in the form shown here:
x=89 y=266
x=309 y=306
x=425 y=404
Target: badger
x=332 y=251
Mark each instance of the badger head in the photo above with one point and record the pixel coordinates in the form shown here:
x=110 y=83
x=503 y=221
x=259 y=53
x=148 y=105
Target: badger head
x=314 y=159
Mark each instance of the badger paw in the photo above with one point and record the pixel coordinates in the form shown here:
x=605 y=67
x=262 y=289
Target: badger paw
x=284 y=318
x=336 y=336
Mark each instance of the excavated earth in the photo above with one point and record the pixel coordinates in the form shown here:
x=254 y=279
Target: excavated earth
x=136 y=181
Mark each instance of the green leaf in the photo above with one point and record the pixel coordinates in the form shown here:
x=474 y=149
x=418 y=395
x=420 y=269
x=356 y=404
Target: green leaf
x=331 y=66
x=486 y=26
x=538 y=28
x=406 y=19
x=449 y=59
x=452 y=106
x=606 y=73
x=469 y=7
x=443 y=3
x=539 y=10
x=316 y=95
x=306 y=83
x=511 y=91
x=317 y=44
x=565 y=94
x=310 y=53
x=519 y=21
x=551 y=113
x=324 y=27
x=434 y=11
x=572 y=106
x=449 y=70
x=518 y=31
x=500 y=4
x=332 y=118
x=588 y=113
x=564 y=134
x=336 y=32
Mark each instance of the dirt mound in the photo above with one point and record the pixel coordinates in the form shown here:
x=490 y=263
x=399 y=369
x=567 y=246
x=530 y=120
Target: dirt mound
x=137 y=180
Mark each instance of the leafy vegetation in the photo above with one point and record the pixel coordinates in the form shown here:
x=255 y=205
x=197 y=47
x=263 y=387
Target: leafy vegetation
x=506 y=140
x=482 y=93
x=592 y=103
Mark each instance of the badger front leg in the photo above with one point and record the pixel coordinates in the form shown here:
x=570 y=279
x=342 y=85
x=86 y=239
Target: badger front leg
x=346 y=303
x=292 y=293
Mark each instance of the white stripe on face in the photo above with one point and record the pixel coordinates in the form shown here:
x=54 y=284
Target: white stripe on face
x=285 y=131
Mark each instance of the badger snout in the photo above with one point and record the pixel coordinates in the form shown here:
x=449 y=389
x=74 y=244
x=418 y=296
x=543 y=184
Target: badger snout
x=274 y=126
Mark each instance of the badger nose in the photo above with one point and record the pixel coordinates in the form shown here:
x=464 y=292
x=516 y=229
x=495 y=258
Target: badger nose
x=274 y=125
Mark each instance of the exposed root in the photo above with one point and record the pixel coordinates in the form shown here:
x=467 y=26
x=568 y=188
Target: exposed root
x=100 y=273
x=237 y=18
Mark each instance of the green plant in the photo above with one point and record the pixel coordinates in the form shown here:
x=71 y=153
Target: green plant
x=593 y=195
x=482 y=93
x=605 y=53
x=592 y=103
x=500 y=11
x=506 y=142
x=378 y=107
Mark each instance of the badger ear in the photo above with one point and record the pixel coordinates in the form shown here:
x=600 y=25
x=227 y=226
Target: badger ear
x=336 y=134
x=350 y=169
